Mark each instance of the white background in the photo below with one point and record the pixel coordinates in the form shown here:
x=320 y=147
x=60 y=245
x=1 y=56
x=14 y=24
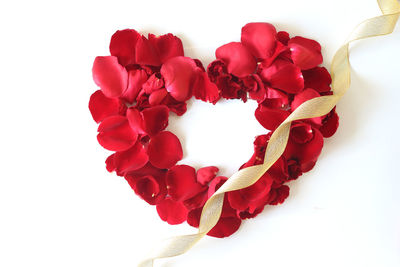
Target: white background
x=60 y=207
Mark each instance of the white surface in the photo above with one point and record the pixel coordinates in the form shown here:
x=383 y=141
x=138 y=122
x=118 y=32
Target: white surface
x=59 y=206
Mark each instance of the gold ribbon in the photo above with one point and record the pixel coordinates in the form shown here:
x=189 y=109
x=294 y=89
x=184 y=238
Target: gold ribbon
x=316 y=107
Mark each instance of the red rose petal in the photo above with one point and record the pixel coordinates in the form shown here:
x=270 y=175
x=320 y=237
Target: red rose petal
x=147 y=187
x=167 y=46
x=283 y=37
x=215 y=184
x=225 y=227
x=304 y=152
x=157 y=97
x=330 y=124
x=149 y=169
x=110 y=163
x=146 y=53
x=178 y=74
x=318 y=79
x=123 y=44
x=279 y=195
x=276 y=99
x=252 y=197
x=306 y=53
x=135 y=119
x=284 y=75
x=136 y=78
x=131 y=159
x=260 y=39
x=270 y=118
x=193 y=217
x=115 y=134
x=155 y=119
x=171 y=211
x=260 y=144
x=204 y=89
x=181 y=183
x=110 y=76
x=164 y=150
x=154 y=83
x=238 y=59
x=279 y=171
x=206 y=174
x=302 y=97
x=301 y=133
x=258 y=189
x=248 y=215
x=102 y=107
x=175 y=106
x=150 y=121
x=257 y=91
x=197 y=201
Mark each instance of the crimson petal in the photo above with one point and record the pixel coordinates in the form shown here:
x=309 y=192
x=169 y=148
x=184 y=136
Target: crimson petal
x=206 y=174
x=135 y=119
x=110 y=76
x=110 y=163
x=157 y=97
x=171 y=211
x=306 y=53
x=147 y=187
x=179 y=75
x=318 y=79
x=279 y=195
x=146 y=53
x=167 y=46
x=284 y=75
x=305 y=153
x=123 y=44
x=181 y=183
x=153 y=84
x=238 y=59
x=164 y=150
x=270 y=118
x=253 y=197
x=204 y=89
x=330 y=124
x=225 y=227
x=149 y=169
x=102 y=107
x=155 y=119
x=260 y=39
x=115 y=134
x=276 y=99
x=136 y=78
x=283 y=37
x=197 y=201
x=131 y=159
x=302 y=97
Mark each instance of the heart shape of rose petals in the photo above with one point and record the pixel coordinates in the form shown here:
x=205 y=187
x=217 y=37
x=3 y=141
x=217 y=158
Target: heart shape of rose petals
x=144 y=79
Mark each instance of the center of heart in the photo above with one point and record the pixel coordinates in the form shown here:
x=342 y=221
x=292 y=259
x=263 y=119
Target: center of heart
x=220 y=135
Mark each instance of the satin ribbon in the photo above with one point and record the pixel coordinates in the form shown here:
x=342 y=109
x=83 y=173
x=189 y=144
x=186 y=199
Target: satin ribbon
x=316 y=107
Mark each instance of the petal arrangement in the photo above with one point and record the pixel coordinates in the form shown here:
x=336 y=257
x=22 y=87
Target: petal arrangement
x=144 y=79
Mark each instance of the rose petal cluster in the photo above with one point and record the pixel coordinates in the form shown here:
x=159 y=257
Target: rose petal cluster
x=277 y=71
x=146 y=78
x=147 y=72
